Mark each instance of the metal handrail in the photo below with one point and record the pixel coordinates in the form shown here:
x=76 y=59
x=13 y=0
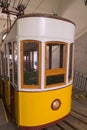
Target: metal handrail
x=80 y=80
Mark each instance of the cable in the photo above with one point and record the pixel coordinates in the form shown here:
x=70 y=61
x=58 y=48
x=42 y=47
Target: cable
x=14 y=3
x=20 y=2
x=27 y=3
x=38 y=5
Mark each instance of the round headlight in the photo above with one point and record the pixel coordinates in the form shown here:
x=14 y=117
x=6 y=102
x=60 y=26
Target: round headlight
x=55 y=104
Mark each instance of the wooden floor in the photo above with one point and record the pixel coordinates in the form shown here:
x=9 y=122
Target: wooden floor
x=77 y=120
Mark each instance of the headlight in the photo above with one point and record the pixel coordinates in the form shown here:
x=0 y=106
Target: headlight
x=55 y=104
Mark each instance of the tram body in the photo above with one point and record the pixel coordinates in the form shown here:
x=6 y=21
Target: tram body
x=37 y=88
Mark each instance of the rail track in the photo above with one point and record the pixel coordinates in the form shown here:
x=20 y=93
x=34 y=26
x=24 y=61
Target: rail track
x=74 y=122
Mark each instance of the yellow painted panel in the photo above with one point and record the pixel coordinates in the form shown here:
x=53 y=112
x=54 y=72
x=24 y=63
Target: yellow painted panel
x=35 y=107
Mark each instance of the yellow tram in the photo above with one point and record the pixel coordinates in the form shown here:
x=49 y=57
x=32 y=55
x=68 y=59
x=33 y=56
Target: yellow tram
x=36 y=70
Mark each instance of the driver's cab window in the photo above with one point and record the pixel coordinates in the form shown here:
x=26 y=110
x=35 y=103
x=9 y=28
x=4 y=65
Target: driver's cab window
x=30 y=64
x=56 y=59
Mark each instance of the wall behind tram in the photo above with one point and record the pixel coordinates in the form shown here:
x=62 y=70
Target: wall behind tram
x=81 y=54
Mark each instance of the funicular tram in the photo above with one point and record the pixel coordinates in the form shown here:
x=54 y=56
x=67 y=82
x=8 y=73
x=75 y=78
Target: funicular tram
x=36 y=70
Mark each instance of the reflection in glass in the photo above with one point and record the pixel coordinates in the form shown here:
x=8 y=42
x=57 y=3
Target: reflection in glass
x=30 y=63
x=15 y=61
x=55 y=62
x=55 y=79
x=70 y=61
x=55 y=56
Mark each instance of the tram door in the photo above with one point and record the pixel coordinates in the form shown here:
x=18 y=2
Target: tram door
x=6 y=85
x=1 y=75
x=10 y=48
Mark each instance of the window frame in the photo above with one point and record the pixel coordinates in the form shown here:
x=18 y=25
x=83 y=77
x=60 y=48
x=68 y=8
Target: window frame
x=58 y=71
x=38 y=86
x=6 y=65
x=11 y=47
x=13 y=53
x=2 y=64
x=72 y=62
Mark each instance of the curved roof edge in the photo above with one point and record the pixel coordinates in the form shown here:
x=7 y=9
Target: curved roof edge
x=46 y=16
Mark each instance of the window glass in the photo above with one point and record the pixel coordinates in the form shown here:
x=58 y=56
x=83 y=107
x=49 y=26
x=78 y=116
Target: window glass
x=4 y=36
x=6 y=60
x=56 y=55
x=30 y=63
x=2 y=64
x=10 y=61
x=15 y=62
x=54 y=79
x=70 y=61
